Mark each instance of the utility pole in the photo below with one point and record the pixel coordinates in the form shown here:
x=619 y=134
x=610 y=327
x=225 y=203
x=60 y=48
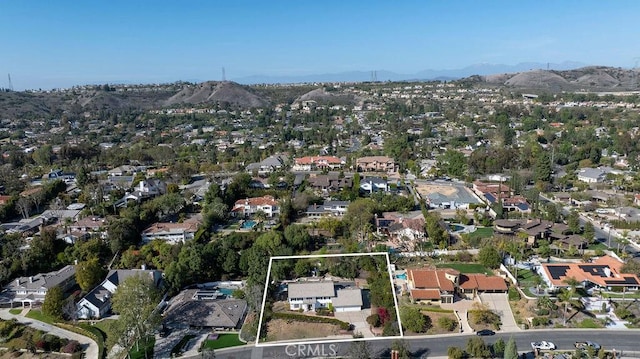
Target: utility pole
x=224 y=76
x=10 y=84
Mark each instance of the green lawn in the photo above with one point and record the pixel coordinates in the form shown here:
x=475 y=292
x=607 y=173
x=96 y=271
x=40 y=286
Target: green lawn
x=589 y=323
x=223 y=341
x=525 y=277
x=15 y=311
x=598 y=245
x=482 y=232
x=465 y=267
x=38 y=315
x=105 y=326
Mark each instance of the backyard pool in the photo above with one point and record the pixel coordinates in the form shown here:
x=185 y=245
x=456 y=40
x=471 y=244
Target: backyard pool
x=248 y=224
x=226 y=291
x=456 y=227
x=402 y=276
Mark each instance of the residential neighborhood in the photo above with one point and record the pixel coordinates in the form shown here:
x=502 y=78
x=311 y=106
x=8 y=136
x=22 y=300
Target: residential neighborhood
x=499 y=212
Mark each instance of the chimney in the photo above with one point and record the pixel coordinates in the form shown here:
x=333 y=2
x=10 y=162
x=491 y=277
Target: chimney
x=75 y=262
x=18 y=281
x=143 y=267
x=30 y=279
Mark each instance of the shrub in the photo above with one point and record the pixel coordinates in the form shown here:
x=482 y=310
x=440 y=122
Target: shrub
x=71 y=347
x=455 y=353
x=542 y=311
x=374 y=320
x=447 y=323
x=238 y=293
x=539 y=321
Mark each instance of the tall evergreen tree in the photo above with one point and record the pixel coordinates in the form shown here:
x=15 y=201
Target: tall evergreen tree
x=511 y=350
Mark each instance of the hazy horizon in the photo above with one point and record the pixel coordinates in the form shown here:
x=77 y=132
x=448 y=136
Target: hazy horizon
x=62 y=44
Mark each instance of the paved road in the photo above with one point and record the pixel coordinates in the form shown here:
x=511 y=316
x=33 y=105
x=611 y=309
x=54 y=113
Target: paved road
x=436 y=346
x=90 y=346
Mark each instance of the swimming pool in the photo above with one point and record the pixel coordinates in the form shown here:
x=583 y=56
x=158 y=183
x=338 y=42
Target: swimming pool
x=456 y=227
x=226 y=291
x=248 y=224
x=402 y=276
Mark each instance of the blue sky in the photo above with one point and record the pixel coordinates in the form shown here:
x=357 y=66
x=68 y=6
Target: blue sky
x=61 y=43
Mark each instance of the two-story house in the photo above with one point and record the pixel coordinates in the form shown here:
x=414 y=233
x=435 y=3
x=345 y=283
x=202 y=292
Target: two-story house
x=97 y=303
x=32 y=290
x=309 y=296
x=250 y=206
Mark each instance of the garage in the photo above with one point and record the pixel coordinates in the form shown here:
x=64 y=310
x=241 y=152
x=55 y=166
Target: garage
x=347 y=300
x=353 y=308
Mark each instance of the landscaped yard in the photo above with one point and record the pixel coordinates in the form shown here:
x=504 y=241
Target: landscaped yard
x=482 y=232
x=15 y=311
x=465 y=267
x=38 y=315
x=224 y=341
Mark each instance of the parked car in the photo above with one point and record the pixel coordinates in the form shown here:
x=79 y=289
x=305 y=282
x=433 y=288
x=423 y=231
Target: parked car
x=587 y=344
x=485 y=332
x=543 y=345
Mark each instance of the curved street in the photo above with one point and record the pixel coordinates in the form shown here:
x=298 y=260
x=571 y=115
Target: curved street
x=89 y=345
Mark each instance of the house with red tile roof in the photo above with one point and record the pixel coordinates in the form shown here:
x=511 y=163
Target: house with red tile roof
x=250 y=206
x=444 y=285
x=604 y=272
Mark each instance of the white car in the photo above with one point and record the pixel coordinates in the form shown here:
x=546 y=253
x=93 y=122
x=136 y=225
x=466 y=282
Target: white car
x=543 y=345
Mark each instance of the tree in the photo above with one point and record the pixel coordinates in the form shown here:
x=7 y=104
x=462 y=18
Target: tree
x=477 y=348
x=589 y=232
x=53 y=302
x=402 y=348
x=298 y=237
x=89 y=273
x=543 y=167
x=359 y=350
x=135 y=301
x=498 y=348
x=412 y=319
x=455 y=353
x=573 y=221
x=489 y=257
x=511 y=349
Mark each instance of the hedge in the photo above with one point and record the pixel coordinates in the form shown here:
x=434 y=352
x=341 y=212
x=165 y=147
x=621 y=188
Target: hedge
x=310 y=319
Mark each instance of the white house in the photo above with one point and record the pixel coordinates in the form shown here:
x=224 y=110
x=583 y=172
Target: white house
x=32 y=290
x=310 y=296
x=97 y=302
x=251 y=206
x=374 y=184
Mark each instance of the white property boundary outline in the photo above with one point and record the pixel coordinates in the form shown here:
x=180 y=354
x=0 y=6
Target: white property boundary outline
x=326 y=341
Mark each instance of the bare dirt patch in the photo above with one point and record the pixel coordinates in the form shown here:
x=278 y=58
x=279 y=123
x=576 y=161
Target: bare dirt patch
x=280 y=329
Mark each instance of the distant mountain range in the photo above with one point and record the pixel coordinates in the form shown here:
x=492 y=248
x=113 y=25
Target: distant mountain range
x=383 y=75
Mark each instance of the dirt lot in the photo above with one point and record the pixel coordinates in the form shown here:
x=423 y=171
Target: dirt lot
x=280 y=329
x=434 y=321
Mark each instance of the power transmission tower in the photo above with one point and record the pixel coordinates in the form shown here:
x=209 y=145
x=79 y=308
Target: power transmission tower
x=10 y=84
x=224 y=76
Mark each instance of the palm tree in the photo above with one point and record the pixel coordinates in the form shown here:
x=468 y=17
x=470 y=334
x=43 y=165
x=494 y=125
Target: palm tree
x=566 y=296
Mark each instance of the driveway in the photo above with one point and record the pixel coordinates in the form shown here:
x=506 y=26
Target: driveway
x=90 y=347
x=499 y=303
x=461 y=307
x=358 y=319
